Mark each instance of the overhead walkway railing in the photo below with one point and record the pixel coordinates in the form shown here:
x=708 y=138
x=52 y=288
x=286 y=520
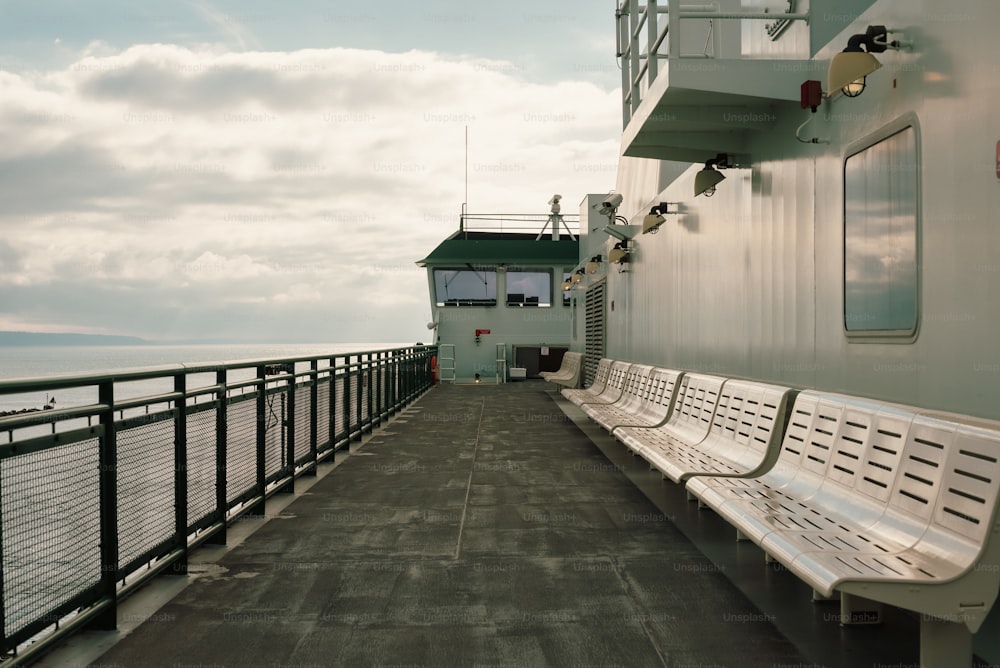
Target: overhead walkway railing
x=98 y=497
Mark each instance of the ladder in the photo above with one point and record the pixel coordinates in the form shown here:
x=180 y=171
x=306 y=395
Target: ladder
x=446 y=362
x=501 y=368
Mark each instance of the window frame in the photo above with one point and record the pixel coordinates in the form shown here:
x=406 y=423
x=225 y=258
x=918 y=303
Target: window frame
x=483 y=303
x=904 y=336
x=546 y=271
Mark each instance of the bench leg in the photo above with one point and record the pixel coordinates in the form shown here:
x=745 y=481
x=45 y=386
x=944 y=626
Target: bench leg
x=820 y=598
x=740 y=536
x=858 y=610
x=944 y=643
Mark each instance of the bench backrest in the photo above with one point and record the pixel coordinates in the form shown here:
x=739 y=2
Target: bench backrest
x=810 y=433
x=950 y=475
x=751 y=415
x=636 y=389
x=697 y=398
x=601 y=375
x=616 y=382
x=660 y=395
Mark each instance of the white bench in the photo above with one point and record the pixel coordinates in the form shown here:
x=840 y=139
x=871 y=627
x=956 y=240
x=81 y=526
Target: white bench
x=743 y=439
x=612 y=392
x=689 y=422
x=569 y=371
x=880 y=504
x=600 y=381
x=633 y=393
x=654 y=406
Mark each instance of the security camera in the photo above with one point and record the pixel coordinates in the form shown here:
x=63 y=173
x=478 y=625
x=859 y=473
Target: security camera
x=610 y=204
x=555 y=204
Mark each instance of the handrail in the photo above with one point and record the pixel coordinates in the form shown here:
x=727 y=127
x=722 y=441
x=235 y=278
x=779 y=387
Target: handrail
x=639 y=62
x=95 y=497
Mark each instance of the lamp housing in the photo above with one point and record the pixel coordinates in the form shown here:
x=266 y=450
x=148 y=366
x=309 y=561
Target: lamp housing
x=709 y=177
x=652 y=221
x=849 y=68
x=620 y=253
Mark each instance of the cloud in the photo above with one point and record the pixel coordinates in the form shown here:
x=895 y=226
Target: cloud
x=218 y=189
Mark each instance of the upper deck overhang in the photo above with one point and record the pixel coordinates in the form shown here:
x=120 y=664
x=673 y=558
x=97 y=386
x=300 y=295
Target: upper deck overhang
x=697 y=108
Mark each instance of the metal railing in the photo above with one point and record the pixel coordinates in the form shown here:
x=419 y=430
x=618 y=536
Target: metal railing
x=515 y=222
x=644 y=37
x=97 y=498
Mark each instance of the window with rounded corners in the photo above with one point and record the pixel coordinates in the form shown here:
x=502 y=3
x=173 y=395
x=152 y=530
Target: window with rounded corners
x=881 y=230
x=529 y=288
x=468 y=286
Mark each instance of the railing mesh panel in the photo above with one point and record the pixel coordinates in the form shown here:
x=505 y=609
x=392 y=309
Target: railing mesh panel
x=201 y=464
x=323 y=414
x=241 y=448
x=303 y=396
x=51 y=529
x=339 y=421
x=275 y=414
x=145 y=488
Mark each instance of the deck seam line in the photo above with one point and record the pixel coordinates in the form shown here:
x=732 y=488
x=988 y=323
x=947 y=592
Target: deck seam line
x=616 y=568
x=468 y=484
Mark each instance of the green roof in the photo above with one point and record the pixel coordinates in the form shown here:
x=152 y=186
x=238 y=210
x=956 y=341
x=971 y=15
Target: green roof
x=502 y=248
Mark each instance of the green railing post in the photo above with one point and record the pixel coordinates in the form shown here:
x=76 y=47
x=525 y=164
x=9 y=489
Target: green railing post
x=313 y=418
x=180 y=565
x=218 y=537
x=289 y=430
x=394 y=380
x=360 y=394
x=107 y=620
x=345 y=393
x=261 y=486
x=369 y=400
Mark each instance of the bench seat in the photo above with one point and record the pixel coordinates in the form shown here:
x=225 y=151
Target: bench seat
x=634 y=391
x=578 y=396
x=568 y=373
x=879 y=503
x=689 y=422
x=655 y=407
x=743 y=439
x=618 y=375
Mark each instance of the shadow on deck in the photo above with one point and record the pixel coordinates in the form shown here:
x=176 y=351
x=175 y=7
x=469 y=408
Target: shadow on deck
x=483 y=527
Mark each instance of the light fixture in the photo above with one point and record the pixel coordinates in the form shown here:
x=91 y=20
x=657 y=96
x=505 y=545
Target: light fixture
x=706 y=180
x=567 y=285
x=620 y=253
x=652 y=221
x=593 y=264
x=849 y=68
x=577 y=276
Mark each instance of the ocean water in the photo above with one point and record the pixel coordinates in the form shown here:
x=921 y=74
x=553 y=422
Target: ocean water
x=42 y=361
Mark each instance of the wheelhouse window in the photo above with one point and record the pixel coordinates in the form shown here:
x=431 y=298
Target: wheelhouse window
x=880 y=238
x=529 y=288
x=465 y=287
x=567 y=294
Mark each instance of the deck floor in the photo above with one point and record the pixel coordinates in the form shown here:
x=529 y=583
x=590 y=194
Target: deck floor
x=491 y=526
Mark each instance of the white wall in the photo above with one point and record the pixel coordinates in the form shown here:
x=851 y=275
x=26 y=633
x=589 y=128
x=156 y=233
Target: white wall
x=749 y=282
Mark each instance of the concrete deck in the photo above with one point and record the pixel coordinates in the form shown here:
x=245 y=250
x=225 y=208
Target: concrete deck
x=484 y=527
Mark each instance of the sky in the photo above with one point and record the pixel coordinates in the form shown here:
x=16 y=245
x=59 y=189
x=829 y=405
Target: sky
x=251 y=171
